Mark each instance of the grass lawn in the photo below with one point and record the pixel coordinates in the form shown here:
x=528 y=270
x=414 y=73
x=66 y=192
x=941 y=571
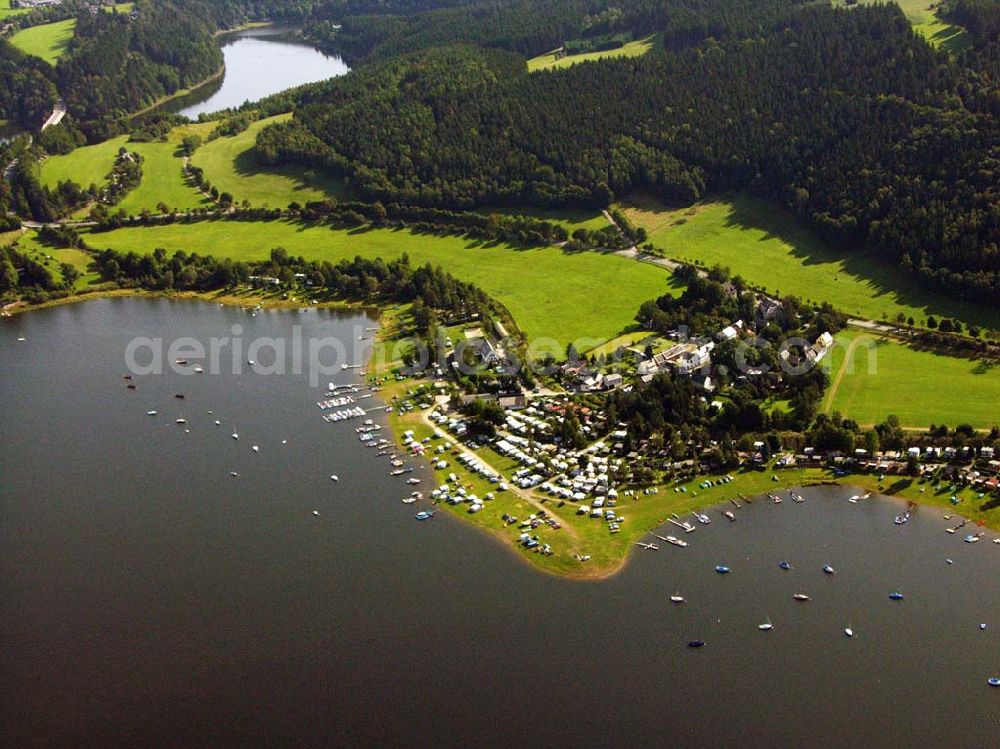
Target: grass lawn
x=636 y=48
x=920 y=387
x=771 y=249
x=53 y=259
x=48 y=41
x=6 y=10
x=563 y=296
x=162 y=179
x=86 y=165
x=229 y=164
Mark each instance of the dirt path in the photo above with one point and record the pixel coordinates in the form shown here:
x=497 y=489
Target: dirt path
x=848 y=356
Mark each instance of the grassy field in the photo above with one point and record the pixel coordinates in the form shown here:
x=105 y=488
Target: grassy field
x=550 y=293
x=6 y=10
x=771 y=249
x=920 y=387
x=85 y=166
x=48 y=41
x=635 y=48
x=53 y=259
x=230 y=165
x=162 y=179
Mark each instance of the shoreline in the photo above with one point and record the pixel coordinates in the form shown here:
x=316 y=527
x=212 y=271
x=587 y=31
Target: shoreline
x=179 y=93
x=899 y=488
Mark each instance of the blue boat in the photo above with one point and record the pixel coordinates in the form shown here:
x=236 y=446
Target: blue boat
x=785 y=565
x=722 y=569
x=896 y=596
x=424 y=515
x=696 y=644
x=993 y=681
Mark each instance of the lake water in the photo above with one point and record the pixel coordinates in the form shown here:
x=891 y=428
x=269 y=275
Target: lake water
x=149 y=598
x=259 y=62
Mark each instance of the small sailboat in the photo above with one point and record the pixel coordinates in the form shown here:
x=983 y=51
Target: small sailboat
x=235 y=435
x=334 y=477
x=766 y=626
x=677 y=598
x=827 y=569
x=896 y=596
x=255 y=448
x=316 y=513
x=800 y=597
x=218 y=423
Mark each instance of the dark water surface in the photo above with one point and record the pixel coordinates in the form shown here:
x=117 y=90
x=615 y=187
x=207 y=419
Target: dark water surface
x=259 y=62
x=148 y=598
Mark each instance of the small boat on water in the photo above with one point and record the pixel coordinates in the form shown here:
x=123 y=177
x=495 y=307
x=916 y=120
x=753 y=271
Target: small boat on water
x=982 y=627
x=848 y=631
x=255 y=448
x=334 y=477
x=766 y=626
x=721 y=569
x=676 y=541
x=696 y=643
x=900 y=519
x=973 y=538
x=702 y=518
x=233 y=474
x=409 y=500
x=150 y=413
x=412 y=481
x=854 y=499
x=21 y=339
x=180 y=421
x=827 y=569
x=800 y=597
x=179 y=396
x=235 y=435
x=785 y=565
x=948 y=561
x=424 y=515
x=729 y=516
x=896 y=596
x=993 y=681
x=130 y=386
x=677 y=598
x=777 y=500
x=796 y=497
x=316 y=513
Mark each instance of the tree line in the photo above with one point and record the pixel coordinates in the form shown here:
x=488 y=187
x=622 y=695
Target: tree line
x=846 y=117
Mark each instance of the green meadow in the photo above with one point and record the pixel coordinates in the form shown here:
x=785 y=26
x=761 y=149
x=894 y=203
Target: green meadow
x=6 y=10
x=769 y=248
x=878 y=376
x=551 y=61
x=230 y=165
x=52 y=259
x=162 y=176
x=48 y=41
x=551 y=293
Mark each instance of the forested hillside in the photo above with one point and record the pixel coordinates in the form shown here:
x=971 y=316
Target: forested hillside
x=843 y=115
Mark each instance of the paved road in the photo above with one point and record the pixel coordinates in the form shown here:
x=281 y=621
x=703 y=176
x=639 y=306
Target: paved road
x=57 y=114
